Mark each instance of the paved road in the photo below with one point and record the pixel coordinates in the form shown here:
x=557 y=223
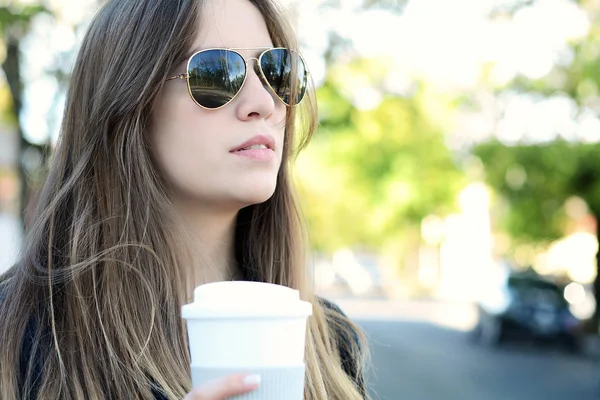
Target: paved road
x=417 y=358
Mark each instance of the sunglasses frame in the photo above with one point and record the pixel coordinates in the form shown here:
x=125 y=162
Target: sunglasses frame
x=186 y=76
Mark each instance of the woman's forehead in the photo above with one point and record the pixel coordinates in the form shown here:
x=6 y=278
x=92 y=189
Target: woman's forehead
x=231 y=24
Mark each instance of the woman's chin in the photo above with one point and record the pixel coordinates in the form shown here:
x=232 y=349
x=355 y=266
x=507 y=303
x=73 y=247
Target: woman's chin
x=257 y=196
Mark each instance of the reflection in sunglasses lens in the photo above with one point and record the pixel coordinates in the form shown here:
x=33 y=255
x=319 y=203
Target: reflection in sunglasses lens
x=215 y=77
x=285 y=72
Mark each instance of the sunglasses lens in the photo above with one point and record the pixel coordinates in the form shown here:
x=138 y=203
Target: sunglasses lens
x=285 y=72
x=215 y=77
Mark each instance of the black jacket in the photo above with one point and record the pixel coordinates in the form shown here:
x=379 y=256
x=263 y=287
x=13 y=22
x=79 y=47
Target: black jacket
x=349 y=363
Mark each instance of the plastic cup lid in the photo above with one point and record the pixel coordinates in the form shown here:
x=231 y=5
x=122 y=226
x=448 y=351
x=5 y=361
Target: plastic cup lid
x=245 y=299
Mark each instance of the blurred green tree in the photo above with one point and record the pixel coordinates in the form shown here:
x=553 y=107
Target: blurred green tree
x=536 y=180
x=379 y=163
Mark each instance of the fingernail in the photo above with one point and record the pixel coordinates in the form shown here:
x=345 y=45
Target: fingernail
x=252 y=380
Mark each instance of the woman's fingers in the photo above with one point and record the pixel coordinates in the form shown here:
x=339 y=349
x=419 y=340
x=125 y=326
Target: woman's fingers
x=224 y=388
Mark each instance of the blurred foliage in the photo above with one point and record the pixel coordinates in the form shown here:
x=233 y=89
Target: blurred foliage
x=372 y=173
x=556 y=170
x=578 y=75
x=536 y=180
x=16 y=17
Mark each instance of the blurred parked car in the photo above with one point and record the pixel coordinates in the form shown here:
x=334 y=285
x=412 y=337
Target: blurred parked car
x=525 y=304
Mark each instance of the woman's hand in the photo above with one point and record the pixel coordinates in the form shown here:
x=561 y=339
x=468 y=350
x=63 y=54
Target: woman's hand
x=224 y=388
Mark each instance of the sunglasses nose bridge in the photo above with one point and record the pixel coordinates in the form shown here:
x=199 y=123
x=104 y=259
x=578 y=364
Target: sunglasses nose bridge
x=257 y=69
x=256 y=65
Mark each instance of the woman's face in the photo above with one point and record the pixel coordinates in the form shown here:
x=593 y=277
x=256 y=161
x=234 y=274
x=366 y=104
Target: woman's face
x=196 y=148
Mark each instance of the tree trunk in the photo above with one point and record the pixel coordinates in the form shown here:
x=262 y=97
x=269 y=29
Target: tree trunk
x=13 y=77
x=11 y=67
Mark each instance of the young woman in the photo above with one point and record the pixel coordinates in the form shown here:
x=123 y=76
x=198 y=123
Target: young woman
x=172 y=170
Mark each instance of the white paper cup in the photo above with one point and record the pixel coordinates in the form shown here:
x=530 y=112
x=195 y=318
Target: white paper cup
x=249 y=327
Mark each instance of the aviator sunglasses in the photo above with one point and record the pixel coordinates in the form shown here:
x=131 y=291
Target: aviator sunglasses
x=216 y=76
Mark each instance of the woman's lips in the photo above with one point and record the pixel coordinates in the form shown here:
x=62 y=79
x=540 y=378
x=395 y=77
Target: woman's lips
x=259 y=140
x=256 y=154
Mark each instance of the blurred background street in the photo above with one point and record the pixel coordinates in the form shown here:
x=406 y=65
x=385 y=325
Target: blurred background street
x=422 y=350
x=452 y=191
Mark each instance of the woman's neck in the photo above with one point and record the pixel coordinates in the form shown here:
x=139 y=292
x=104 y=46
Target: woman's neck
x=212 y=235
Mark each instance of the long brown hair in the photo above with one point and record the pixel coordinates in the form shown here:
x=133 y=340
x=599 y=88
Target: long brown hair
x=95 y=297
